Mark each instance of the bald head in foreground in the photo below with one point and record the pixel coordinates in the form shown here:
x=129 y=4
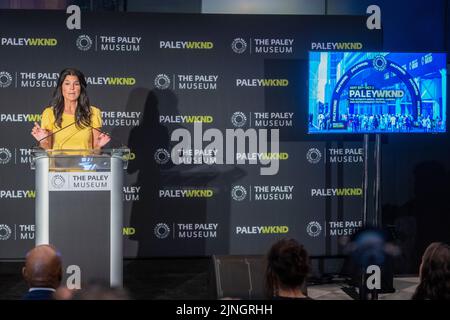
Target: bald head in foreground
x=42 y=272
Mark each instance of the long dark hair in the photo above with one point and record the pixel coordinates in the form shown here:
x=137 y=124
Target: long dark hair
x=287 y=266
x=83 y=111
x=435 y=273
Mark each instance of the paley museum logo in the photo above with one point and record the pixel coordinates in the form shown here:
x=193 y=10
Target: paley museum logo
x=224 y=148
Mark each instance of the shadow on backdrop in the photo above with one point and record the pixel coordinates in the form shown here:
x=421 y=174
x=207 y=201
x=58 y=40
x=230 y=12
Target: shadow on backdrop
x=423 y=219
x=143 y=141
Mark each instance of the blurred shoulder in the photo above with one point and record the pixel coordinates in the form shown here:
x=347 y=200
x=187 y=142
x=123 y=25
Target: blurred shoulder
x=95 y=110
x=48 y=112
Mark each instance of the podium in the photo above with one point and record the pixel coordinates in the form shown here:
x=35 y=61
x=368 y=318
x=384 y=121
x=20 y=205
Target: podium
x=79 y=210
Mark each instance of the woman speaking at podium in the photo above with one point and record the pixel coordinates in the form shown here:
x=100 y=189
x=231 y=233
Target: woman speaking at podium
x=71 y=122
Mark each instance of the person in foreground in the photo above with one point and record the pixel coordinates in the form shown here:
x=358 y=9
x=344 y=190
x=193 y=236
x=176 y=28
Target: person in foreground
x=287 y=269
x=42 y=272
x=70 y=112
x=434 y=273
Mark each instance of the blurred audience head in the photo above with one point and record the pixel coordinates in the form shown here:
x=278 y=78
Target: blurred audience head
x=99 y=290
x=288 y=266
x=43 y=267
x=369 y=245
x=63 y=293
x=434 y=273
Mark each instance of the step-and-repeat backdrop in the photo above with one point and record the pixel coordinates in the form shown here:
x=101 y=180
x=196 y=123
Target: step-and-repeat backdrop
x=154 y=76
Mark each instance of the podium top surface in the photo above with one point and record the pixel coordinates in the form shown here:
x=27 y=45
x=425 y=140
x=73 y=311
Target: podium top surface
x=79 y=159
x=40 y=152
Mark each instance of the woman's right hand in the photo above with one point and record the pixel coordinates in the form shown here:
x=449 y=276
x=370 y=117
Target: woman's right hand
x=38 y=133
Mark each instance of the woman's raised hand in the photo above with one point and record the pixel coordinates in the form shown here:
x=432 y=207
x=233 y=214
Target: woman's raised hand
x=38 y=133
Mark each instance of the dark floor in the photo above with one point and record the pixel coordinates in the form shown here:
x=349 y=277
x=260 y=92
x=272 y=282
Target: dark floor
x=186 y=278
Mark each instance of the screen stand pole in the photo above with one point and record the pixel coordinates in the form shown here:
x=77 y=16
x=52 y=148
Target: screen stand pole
x=376 y=221
x=365 y=179
x=376 y=217
x=377 y=154
x=362 y=280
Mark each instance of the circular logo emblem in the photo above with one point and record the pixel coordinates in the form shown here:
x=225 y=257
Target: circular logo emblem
x=238 y=193
x=162 y=156
x=84 y=42
x=239 y=45
x=313 y=155
x=238 y=119
x=58 y=181
x=5 y=232
x=314 y=229
x=5 y=79
x=162 y=230
x=379 y=63
x=162 y=81
x=5 y=155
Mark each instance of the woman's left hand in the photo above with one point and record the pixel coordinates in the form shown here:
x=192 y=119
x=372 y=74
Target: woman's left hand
x=101 y=140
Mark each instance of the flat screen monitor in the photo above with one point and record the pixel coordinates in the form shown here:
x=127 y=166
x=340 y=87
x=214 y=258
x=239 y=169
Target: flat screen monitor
x=377 y=92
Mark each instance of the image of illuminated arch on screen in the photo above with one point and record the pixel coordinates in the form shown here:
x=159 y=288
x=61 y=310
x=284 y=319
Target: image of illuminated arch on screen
x=377 y=92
